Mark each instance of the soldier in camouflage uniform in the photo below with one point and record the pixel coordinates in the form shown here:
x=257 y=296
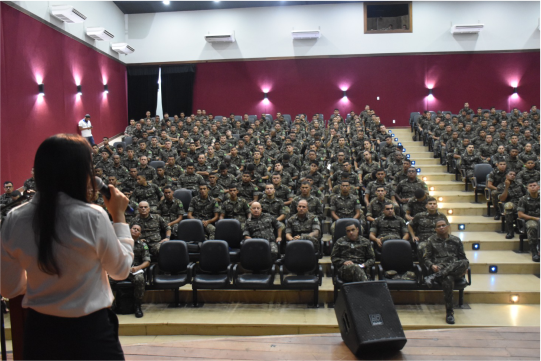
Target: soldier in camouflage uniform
x=488 y=149
x=216 y=191
x=149 y=172
x=171 y=209
x=495 y=178
x=445 y=256
x=141 y=260
x=206 y=209
x=272 y=205
x=353 y=255
x=388 y=226
x=528 y=174
x=469 y=159
x=235 y=207
x=376 y=206
x=510 y=193
x=314 y=204
x=247 y=190
x=380 y=181
x=416 y=205
x=161 y=179
x=263 y=225
x=405 y=190
x=225 y=179
x=423 y=226
x=131 y=181
x=172 y=170
x=105 y=163
x=346 y=205
x=190 y=180
x=282 y=192
x=152 y=226
x=387 y=149
x=528 y=209
x=30 y=185
x=145 y=191
x=513 y=163
x=303 y=225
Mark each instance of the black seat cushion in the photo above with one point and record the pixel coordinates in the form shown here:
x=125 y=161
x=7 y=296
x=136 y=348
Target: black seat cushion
x=300 y=281
x=254 y=280
x=210 y=281
x=169 y=281
x=402 y=284
x=230 y=231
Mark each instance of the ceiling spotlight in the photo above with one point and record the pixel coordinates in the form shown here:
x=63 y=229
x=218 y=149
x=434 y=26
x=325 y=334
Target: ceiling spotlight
x=41 y=89
x=79 y=90
x=166 y=2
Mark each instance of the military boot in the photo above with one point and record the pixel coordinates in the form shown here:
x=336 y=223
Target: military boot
x=535 y=253
x=430 y=280
x=510 y=231
x=450 y=317
x=498 y=216
x=138 y=310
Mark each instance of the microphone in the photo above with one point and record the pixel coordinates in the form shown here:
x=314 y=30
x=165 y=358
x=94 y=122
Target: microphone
x=104 y=190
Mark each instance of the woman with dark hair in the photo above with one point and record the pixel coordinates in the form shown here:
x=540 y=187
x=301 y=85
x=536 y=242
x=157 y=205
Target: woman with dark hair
x=58 y=249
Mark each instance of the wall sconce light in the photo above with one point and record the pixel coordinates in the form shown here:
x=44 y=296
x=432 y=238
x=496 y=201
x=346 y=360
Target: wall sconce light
x=106 y=88
x=514 y=298
x=515 y=90
x=461 y=226
x=41 y=89
x=429 y=92
x=475 y=246
x=493 y=269
x=449 y=211
x=79 y=90
x=344 y=95
x=266 y=95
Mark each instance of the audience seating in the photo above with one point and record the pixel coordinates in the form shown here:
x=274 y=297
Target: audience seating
x=185 y=196
x=338 y=282
x=460 y=284
x=192 y=232
x=156 y=163
x=340 y=229
x=521 y=225
x=396 y=254
x=229 y=230
x=173 y=261
x=214 y=269
x=479 y=180
x=300 y=259
x=117 y=144
x=255 y=257
x=128 y=140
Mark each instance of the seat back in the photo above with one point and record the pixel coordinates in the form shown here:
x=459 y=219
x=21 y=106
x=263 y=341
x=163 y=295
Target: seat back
x=173 y=256
x=191 y=230
x=238 y=117
x=230 y=231
x=117 y=144
x=340 y=227
x=214 y=256
x=255 y=255
x=396 y=255
x=185 y=196
x=300 y=256
x=218 y=118
x=480 y=172
x=155 y=163
x=128 y=140
x=252 y=118
x=236 y=136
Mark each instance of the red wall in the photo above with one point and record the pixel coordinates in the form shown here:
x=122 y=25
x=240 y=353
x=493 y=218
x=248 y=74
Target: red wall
x=314 y=85
x=32 y=51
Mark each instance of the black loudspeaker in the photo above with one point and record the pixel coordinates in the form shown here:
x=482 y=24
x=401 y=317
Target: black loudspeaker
x=367 y=318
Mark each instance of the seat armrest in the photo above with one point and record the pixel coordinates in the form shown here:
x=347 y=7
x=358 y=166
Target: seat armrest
x=191 y=271
x=281 y=274
x=320 y=274
x=488 y=194
x=151 y=271
x=521 y=223
x=235 y=272
x=462 y=173
x=500 y=207
x=474 y=182
x=230 y=272
x=380 y=272
x=469 y=276
x=425 y=271
x=418 y=273
x=334 y=274
x=273 y=271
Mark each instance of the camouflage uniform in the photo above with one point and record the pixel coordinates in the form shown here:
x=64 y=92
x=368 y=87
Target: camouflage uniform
x=121 y=173
x=248 y=191
x=375 y=208
x=448 y=254
x=264 y=227
x=469 y=161
x=389 y=227
x=530 y=206
x=283 y=193
x=164 y=154
x=406 y=188
x=130 y=215
x=173 y=172
x=170 y=211
x=488 y=150
x=130 y=163
x=424 y=225
x=238 y=210
x=105 y=165
x=514 y=193
x=162 y=182
x=150 y=193
x=359 y=251
x=514 y=164
x=217 y=192
x=190 y=181
x=526 y=175
x=30 y=184
x=314 y=205
x=496 y=177
x=345 y=207
x=149 y=172
x=140 y=256
x=372 y=186
x=302 y=227
x=151 y=228
x=226 y=181
x=275 y=207
x=204 y=209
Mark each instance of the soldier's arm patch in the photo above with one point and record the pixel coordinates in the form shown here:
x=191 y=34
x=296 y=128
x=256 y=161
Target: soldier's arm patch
x=145 y=246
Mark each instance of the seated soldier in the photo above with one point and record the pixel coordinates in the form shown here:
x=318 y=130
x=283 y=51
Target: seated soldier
x=262 y=225
x=444 y=255
x=346 y=205
x=353 y=256
x=282 y=192
x=314 y=204
x=161 y=179
x=303 y=225
x=469 y=159
x=416 y=205
x=510 y=193
x=171 y=209
x=528 y=174
x=423 y=226
x=388 y=226
x=235 y=207
x=405 y=190
x=190 y=180
x=206 y=209
x=148 y=192
x=152 y=228
x=380 y=181
x=148 y=171
x=141 y=260
x=247 y=190
x=494 y=179
x=128 y=213
x=216 y=191
x=375 y=208
x=528 y=209
x=272 y=205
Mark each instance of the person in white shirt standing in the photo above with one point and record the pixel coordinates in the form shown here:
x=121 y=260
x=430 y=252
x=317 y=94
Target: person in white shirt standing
x=85 y=127
x=57 y=251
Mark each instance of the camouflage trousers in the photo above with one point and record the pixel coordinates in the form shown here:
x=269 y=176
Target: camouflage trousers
x=392 y=274
x=386 y=238
x=532 y=230
x=314 y=240
x=209 y=231
x=275 y=251
x=421 y=247
x=352 y=273
x=495 y=201
x=138 y=281
x=469 y=173
x=154 y=248
x=510 y=210
x=447 y=275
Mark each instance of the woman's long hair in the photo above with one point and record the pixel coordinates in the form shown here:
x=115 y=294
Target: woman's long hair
x=63 y=163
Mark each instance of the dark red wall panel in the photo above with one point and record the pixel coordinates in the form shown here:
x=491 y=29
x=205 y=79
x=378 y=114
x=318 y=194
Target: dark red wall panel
x=314 y=85
x=33 y=52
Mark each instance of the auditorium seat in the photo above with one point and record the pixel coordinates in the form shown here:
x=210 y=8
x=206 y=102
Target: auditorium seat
x=340 y=229
x=214 y=269
x=155 y=163
x=255 y=257
x=192 y=232
x=300 y=260
x=185 y=196
x=128 y=140
x=123 y=144
x=229 y=230
x=396 y=255
x=460 y=284
x=174 y=269
x=479 y=180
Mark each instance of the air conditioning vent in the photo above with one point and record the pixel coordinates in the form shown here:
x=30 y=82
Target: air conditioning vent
x=122 y=48
x=99 y=34
x=306 y=34
x=220 y=38
x=67 y=14
x=467 y=28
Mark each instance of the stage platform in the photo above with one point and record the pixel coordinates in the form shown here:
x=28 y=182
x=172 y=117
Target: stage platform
x=505 y=343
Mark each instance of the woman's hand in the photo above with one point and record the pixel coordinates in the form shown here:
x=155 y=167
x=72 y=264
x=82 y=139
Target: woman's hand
x=116 y=205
